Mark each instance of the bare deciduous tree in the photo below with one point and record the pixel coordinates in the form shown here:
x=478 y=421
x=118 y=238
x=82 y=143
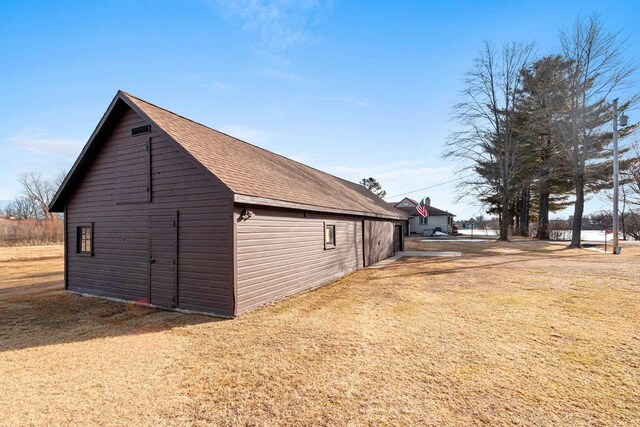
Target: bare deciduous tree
x=21 y=208
x=36 y=194
x=598 y=68
x=487 y=145
x=632 y=178
x=38 y=190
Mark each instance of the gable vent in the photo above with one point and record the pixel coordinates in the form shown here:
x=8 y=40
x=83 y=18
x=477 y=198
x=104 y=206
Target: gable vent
x=140 y=130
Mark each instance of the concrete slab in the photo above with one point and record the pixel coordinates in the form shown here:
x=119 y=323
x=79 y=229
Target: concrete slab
x=391 y=260
x=459 y=240
x=429 y=253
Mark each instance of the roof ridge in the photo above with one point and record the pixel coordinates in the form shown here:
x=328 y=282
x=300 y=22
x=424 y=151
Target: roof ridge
x=237 y=139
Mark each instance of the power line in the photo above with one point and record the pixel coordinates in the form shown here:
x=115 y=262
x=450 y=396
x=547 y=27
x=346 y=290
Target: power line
x=426 y=188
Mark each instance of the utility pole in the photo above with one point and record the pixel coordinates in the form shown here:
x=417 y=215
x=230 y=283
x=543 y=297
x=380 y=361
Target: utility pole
x=616 y=175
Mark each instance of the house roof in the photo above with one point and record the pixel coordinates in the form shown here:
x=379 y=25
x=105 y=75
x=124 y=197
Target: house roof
x=411 y=210
x=253 y=174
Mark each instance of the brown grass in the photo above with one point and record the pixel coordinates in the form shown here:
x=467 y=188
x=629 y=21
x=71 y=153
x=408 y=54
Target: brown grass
x=522 y=333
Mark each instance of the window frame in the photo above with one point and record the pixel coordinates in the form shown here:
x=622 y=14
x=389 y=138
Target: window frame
x=80 y=240
x=329 y=245
x=424 y=220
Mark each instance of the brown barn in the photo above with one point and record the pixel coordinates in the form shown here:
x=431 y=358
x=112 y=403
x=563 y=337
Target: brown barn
x=165 y=211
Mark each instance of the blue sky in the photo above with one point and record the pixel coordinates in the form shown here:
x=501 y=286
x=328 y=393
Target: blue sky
x=355 y=88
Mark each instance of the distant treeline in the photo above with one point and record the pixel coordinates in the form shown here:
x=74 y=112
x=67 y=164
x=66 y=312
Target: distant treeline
x=629 y=224
x=26 y=220
x=22 y=232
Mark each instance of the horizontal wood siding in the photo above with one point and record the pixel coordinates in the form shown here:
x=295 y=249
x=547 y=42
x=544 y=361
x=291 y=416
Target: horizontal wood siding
x=281 y=252
x=119 y=267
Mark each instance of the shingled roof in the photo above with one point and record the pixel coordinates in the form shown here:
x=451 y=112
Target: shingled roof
x=253 y=174
x=411 y=210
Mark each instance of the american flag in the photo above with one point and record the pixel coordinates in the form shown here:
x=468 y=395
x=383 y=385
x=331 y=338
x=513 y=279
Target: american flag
x=422 y=209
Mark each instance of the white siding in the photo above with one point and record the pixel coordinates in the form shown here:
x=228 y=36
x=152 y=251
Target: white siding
x=434 y=221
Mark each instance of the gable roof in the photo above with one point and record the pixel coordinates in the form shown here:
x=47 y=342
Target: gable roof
x=411 y=210
x=415 y=202
x=254 y=175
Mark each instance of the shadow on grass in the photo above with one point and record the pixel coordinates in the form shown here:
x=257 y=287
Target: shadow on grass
x=44 y=314
x=487 y=251
x=472 y=249
x=435 y=272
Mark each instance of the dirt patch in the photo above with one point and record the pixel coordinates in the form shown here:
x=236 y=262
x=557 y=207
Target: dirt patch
x=521 y=333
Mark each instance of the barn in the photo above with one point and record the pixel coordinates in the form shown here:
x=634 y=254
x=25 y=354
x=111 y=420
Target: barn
x=165 y=211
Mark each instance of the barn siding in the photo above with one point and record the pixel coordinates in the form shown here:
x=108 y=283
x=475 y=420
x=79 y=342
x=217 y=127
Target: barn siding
x=281 y=252
x=378 y=236
x=120 y=265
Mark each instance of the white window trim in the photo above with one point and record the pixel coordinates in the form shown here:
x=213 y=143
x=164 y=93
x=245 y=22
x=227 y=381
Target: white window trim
x=324 y=235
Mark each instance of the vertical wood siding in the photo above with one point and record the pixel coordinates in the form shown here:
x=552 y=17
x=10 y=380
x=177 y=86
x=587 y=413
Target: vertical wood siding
x=280 y=253
x=378 y=240
x=120 y=265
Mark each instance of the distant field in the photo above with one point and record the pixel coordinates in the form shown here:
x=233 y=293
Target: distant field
x=522 y=333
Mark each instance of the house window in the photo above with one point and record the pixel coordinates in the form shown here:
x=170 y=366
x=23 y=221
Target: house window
x=405 y=204
x=424 y=221
x=329 y=236
x=85 y=240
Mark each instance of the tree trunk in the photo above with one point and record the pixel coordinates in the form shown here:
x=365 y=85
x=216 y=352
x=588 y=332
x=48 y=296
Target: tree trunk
x=576 y=233
x=543 y=214
x=524 y=212
x=517 y=217
x=624 y=208
x=505 y=219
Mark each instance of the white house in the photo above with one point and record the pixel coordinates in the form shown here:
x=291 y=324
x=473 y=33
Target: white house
x=438 y=220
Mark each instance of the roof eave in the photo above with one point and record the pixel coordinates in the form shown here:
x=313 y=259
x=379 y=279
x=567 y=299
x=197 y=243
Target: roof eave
x=56 y=205
x=434 y=214
x=263 y=201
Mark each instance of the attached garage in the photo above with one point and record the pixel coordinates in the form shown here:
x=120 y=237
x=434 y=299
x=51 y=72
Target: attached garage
x=164 y=211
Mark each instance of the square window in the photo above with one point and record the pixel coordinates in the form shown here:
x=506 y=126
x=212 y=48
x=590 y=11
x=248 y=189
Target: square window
x=329 y=236
x=85 y=240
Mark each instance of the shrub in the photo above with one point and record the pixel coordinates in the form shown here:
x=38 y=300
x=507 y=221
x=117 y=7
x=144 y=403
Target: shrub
x=22 y=232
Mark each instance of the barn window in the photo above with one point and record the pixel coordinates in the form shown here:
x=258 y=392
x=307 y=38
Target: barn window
x=329 y=236
x=85 y=240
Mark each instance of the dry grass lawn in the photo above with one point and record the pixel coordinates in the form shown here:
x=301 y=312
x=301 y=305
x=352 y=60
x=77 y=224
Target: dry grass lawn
x=523 y=333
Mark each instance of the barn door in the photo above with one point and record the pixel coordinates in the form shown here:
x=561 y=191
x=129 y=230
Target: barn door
x=370 y=243
x=397 y=238
x=163 y=260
